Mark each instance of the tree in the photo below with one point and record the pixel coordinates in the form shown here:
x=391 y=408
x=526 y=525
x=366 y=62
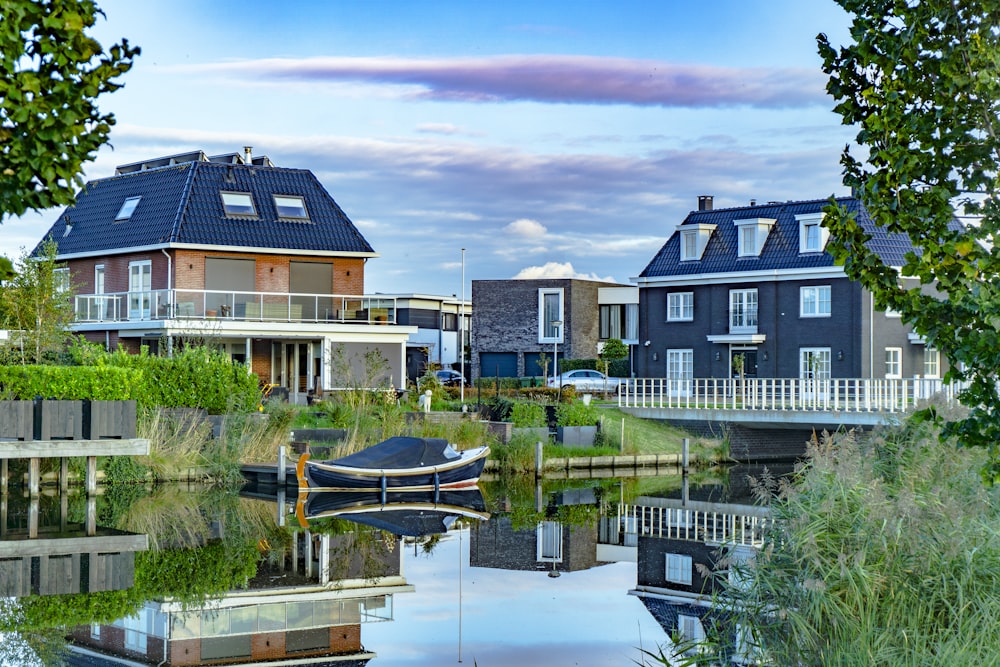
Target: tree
x=52 y=74
x=613 y=349
x=921 y=81
x=38 y=303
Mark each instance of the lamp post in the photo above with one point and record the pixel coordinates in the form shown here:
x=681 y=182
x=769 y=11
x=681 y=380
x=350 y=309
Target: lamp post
x=461 y=338
x=557 y=325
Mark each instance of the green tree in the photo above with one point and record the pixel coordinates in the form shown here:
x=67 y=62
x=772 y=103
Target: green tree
x=612 y=350
x=921 y=83
x=52 y=74
x=38 y=303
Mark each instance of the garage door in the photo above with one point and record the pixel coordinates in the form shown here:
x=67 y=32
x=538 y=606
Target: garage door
x=498 y=364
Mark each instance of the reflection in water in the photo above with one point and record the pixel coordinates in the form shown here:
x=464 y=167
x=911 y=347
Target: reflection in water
x=230 y=578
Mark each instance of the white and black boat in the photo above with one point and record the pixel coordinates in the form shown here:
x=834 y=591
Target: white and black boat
x=399 y=463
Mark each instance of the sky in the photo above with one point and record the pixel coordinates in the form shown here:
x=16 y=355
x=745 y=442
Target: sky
x=483 y=141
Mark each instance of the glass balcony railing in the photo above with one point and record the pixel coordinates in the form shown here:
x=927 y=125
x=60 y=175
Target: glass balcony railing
x=179 y=304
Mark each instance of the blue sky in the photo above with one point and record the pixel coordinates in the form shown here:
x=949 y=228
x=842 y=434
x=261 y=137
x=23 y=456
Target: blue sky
x=548 y=139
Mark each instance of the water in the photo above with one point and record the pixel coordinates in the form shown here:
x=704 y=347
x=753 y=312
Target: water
x=546 y=580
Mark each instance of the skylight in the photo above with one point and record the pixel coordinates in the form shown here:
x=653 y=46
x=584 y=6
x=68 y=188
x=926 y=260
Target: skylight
x=238 y=203
x=291 y=207
x=125 y=212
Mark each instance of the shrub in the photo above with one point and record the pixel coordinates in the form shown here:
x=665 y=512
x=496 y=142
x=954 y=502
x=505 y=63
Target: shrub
x=527 y=415
x=576 y=413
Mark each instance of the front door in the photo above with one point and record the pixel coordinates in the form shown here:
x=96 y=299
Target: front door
x=749 y=360
x=139 y=289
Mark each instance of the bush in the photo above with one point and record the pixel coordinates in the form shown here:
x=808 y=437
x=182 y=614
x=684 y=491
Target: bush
x=576 y=413
x=72 y=383
x=528 y=415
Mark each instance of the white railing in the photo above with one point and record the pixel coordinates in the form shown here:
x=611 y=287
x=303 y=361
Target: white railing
x=179 y=304
x=835 y=394
x=695 y=525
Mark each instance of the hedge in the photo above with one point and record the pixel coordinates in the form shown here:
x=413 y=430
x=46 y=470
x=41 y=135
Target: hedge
x=101 y=383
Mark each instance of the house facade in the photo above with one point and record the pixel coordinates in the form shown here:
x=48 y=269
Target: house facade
x=442 y=331
x=516 y=322
x=753 y=290
x=255 y=259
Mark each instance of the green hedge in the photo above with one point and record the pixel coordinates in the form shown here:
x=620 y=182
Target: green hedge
x=618 y=368
x=71 y=383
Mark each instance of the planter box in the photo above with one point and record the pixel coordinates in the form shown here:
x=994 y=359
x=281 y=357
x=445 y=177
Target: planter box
x=582 y=436
x=534 y=432
x=17 y=420
x=59 y=420
x=110 y=419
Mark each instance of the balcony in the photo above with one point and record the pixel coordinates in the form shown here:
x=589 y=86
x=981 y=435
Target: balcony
x=177 y=304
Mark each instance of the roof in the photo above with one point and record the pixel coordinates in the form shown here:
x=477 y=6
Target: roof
x=781 y=249
x=181 y=204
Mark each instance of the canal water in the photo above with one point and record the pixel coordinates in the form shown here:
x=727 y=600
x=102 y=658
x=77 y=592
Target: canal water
x=518 y=573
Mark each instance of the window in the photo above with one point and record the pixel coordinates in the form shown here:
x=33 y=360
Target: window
x=690 y=628
x=679 y=569
x=680 y=307
x=814 y=363
x=932 y=363
x=694 y=239
x=812 y=234
x=449 y=321
x=814 y=301
x=127 y=209
x=743 y=310
x=548 y=542
x=751 y=235
x=135 y=631
x=291 y=207
x=60 y=280
x=894 y=362
x=680 y=364
x=238 y=203
x=95 y=631
x=139 y=289
x=550 y=312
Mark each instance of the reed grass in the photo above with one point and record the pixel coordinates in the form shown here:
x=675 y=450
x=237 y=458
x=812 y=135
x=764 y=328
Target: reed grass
x=884 y=551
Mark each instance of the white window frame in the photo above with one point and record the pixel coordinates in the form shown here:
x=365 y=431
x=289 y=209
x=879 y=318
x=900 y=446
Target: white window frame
x=136 y=631
x=689 y=245
x=932 y=363
x=751 y=235
x=680 y=307
x=127 y=209
x=549 y=542
x=814 y=363
x=231 y=201
x=893 y=363
x=679 y=569
x=745 y=302
x=140 y=291
x=60 y=280
x=806 y=223
x=290 y=202
x=545 y=320
x=690 y=628
x=812 y=301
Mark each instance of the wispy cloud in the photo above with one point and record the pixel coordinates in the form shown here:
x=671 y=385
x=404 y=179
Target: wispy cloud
x=552 y=79
x=526 y=228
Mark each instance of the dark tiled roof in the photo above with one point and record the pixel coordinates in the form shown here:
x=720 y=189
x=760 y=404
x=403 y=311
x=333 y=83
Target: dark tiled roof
x=181 y=204
x=780 y=251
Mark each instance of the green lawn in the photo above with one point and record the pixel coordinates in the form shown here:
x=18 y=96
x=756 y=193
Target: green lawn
x=650 y=436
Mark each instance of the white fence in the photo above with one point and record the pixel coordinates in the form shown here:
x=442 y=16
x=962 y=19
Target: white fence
x=695 y=525
x=835 y=394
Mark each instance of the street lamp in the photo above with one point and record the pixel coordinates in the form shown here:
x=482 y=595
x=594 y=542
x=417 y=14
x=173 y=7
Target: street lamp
x=556 y=324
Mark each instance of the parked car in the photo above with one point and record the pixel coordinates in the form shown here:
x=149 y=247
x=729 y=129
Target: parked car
x=584 y=380
x=450 y=378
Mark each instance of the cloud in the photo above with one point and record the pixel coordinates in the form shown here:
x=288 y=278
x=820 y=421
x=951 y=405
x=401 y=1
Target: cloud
x=556 y=79
x=557 y=270
x=446 y=129
x=526 y=228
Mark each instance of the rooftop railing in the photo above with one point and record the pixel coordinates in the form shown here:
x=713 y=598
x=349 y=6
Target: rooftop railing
x=179 y=304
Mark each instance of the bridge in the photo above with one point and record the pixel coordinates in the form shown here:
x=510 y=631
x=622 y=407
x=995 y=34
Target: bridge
x=772 y=417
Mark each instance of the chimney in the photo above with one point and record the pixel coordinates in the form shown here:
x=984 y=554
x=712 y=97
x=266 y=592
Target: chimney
x=753 y=202
x=704 y=202
x=248 y=155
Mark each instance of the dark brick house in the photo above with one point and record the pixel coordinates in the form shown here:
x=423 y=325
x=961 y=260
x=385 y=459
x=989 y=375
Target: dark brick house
x=757 y=282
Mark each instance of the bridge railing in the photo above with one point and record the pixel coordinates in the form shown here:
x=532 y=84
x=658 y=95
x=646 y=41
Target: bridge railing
x=834 y=394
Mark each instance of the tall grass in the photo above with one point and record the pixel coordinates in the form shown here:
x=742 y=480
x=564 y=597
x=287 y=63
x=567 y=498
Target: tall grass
x=885 y=551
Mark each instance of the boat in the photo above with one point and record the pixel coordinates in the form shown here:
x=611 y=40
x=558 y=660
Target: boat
x=399 y=463
x=405 y=513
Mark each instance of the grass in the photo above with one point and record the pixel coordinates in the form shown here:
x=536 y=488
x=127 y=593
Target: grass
x=650 y=436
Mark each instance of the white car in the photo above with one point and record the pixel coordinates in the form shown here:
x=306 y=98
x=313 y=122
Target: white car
x=584 y=380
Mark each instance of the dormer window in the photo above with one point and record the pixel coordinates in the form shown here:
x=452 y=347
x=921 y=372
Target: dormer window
x=812 y=234
x=127 y=209
x=291 y=207
x=694 y=239
x=238 y=203
x=751 y=234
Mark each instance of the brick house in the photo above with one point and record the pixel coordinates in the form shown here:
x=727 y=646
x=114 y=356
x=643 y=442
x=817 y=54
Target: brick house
x=255 y=259
x=517 y=321
x=757 y=282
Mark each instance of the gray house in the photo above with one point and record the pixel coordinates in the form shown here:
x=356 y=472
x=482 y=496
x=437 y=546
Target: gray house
x=756 y=283
x=515 y=322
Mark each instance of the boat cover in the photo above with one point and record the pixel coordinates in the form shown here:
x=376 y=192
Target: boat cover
x=402 y=452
